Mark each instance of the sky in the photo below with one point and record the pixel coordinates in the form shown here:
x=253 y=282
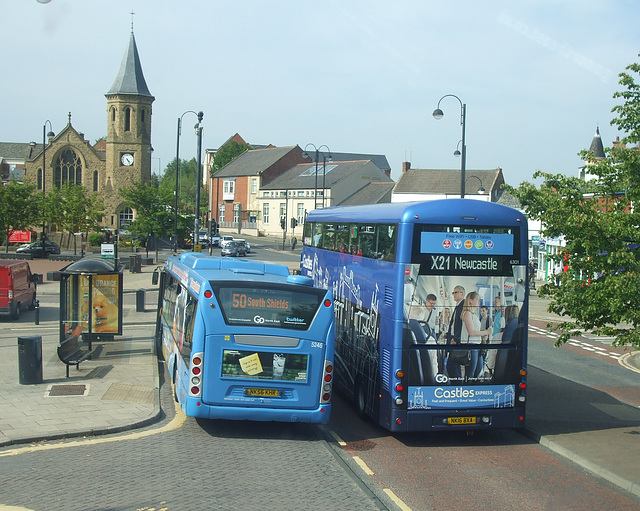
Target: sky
x=364 y=76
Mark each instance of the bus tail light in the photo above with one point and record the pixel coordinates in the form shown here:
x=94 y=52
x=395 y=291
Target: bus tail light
x=327 y=386
x=195 y=378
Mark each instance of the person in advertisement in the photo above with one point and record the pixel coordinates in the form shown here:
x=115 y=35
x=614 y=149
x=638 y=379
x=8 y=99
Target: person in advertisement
x=454 y=332
x=472 y=334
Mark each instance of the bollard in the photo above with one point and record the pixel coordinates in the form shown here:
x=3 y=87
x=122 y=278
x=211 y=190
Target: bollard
x=37 y=309
x=140 y=300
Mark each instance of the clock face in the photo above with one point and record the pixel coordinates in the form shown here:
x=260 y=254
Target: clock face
x=127 y=159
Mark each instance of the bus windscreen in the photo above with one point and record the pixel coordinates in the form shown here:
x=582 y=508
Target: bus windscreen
x=278 y=306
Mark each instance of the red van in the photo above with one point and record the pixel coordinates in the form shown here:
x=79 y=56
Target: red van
x=17 y=288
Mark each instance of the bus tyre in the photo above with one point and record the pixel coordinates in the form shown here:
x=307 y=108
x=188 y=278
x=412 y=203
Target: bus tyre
x=361 y=400
x=16 y=312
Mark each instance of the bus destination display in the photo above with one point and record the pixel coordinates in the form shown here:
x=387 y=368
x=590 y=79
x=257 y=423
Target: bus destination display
x=460 y=253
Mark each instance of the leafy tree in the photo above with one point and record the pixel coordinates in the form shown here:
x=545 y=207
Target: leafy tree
x=154 y=212
x=186 y=193
x=227 y=153
x=599 y=218
x=18 y=207
x=74 y=209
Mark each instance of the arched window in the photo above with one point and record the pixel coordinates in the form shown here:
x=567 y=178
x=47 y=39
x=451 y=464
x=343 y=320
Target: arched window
x=125 y=218
x=95 y=180
x=127 y=119
x=113 y=115
x=67 y=169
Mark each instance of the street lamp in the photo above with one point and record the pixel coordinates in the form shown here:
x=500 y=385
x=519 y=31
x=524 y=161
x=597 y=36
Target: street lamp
x=457 y=152
x=196 y=227
x=481 y=190
x=44 y=164
x=325 y=157
x=175 y=203
x=439 y=114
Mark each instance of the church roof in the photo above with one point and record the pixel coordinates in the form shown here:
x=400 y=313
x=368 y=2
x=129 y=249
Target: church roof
x=130 y=79
x=596 y=145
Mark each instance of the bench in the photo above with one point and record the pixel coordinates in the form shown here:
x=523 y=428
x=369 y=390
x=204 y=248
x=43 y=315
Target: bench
x=71 y=353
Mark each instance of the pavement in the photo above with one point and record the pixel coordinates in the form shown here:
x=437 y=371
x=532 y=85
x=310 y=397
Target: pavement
x=119 y=389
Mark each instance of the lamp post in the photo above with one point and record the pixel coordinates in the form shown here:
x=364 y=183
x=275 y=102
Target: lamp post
x=481 y=190
x=44 y=164
x=439 y=114
x=196 y=227
x=324 y=167
x=175 y=203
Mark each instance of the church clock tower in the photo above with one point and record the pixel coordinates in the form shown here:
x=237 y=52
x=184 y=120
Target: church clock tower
x=128 y=144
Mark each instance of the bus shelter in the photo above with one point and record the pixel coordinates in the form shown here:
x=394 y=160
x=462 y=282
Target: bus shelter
x=90 y=301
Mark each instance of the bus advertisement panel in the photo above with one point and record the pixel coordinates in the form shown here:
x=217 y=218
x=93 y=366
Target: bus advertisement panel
x=461 y=292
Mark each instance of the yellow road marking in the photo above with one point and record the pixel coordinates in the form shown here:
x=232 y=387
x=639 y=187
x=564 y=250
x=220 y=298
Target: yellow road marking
x=340 y=441
x=363 y=465
x=397 y=500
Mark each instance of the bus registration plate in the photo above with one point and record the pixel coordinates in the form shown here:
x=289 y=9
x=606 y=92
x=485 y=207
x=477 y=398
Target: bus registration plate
x=262 y=392
x=461 y=420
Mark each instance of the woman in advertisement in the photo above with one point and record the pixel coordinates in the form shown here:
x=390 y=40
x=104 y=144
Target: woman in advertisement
x=472 y=333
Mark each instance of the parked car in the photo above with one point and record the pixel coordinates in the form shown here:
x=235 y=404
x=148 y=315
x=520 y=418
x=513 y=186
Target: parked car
x=35 y=249
x=17 y=288
x=246 y=243
x=225 y=239
x=235 y=248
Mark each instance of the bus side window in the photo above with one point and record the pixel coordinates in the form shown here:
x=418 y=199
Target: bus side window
x=316 y=239
x=342 y=238
x=387 y=242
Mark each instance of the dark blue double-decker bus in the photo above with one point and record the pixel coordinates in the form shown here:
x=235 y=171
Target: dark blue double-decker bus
x=431 y=305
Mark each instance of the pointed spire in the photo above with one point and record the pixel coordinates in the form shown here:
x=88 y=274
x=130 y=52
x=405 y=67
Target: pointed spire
x=596 y=145
x=130 y=79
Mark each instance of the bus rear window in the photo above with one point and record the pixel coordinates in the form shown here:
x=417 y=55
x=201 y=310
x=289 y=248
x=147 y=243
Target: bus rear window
x=273 y=305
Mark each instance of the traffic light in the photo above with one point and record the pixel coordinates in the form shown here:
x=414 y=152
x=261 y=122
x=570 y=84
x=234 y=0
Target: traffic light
x=294 y=222
x=283 y=223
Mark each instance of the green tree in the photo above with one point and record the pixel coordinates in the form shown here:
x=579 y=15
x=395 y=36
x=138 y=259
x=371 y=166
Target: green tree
x=73 y=209
x=18 y=207
x=154 y=213
x=599 y=219
x=227 y=153
x=186 y=193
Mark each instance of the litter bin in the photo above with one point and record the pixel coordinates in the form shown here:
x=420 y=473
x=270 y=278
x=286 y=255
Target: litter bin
x=135 y=264
x=140 y=300
x=30 y=360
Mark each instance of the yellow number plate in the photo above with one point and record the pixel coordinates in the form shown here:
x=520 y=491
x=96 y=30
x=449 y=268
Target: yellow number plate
x=262 y=392
x=461 y=420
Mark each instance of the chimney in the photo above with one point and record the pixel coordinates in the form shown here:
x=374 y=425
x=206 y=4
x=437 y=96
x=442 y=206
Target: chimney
x=405 y=166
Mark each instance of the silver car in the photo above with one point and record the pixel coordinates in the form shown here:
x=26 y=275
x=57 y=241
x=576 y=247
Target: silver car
x=235 y=248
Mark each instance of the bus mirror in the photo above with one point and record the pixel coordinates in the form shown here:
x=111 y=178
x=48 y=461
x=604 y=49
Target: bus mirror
x=154 y=277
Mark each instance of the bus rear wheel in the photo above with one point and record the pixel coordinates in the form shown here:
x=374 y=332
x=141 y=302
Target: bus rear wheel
x=361 y=400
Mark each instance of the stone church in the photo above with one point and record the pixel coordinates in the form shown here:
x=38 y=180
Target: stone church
x=117 y=162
